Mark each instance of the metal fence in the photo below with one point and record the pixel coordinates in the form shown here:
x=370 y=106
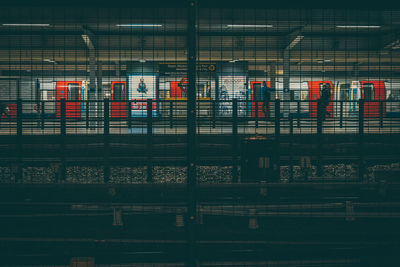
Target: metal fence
x=212 y=117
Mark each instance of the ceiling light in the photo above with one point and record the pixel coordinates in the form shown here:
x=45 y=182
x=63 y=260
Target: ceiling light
x=49 y=60
x=26 y=24
x=233 y=60
x=139 y=25
x=358 y=26
x=249 y=26
x=142 y=60
x=320 y=61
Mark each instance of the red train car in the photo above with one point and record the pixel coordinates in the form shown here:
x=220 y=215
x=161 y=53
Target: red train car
x=118 y=93
x=372 y=92
x=178 y=88
x=70 y=91
x=314 y=88
x=257 y=95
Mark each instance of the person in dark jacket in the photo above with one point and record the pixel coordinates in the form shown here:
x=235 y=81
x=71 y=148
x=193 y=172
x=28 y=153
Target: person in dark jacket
x=4 y=110
x=324 y=100
x=266 y=99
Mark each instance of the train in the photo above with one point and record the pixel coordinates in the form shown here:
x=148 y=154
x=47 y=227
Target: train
x=141 y=87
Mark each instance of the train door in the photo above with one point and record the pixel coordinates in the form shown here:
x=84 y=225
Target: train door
x=346 y=95
x=118 y=93
x=257 y=94
x=314 y=88
x=70 y=91
x=372 y=92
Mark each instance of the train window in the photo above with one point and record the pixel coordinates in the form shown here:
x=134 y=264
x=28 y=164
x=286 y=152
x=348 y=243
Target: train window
x=119 y=91
x=73 y=91
x=304 y=95
x=369 y=91
x=257 y=92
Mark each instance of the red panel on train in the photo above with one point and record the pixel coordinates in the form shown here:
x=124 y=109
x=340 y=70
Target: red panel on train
x=372 y=92
x=256 y=95
x=315 y=93
x=118 y=92
x=177 y=88
x=70 y=91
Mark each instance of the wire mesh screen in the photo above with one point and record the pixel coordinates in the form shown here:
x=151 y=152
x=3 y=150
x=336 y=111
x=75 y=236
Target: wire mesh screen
x=209 y=136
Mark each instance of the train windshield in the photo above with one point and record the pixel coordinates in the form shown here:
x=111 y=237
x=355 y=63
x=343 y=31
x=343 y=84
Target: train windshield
x=257 y=92
x=119 y=91
x=73 y=91
x=345 y=91
x=369 y=91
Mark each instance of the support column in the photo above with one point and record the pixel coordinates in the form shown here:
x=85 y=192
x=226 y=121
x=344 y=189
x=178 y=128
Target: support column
x=99 y=91
x=92 y=94
x=87 y=37
x=191 y=135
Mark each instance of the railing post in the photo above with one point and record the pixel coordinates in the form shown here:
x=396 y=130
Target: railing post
x=361 y=165
x=277 y=138
x=42 y=110
x=19 y=117
x=256 y=111
x=18 y=176
x=87 y=114
x=298 y=113
x=129 y=113
x=277 y=118
x=62 y=137
x=291 y=146
x=214 y=112
x=106 y=139
x=341 y=113
x=320 y=118
x=171 y=114
x=149 y=140
x=234 y=140
x=380 y=113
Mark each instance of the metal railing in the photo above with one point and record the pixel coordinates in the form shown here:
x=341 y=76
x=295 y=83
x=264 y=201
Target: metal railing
x=213 y=117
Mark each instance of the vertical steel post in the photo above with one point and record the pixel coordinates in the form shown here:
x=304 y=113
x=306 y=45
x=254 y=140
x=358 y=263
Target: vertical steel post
x=361 y=167
x=214 y=112
x=380 y=113
x=87 y=113
x=106 y=140
x=149 y=140
x=235 y=140
x=129 y=113
x=320 y=118
x=18 y=176
x=191 y=134
x=256 y=111
x=291 y=146
x=341 y=113
x=298 y=113
x=277 y=168
x=42 y=110
x=63 y=131
x=171 y=114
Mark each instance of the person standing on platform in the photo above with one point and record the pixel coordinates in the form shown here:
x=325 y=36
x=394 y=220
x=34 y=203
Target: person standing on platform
x=4 y=110
x=324 y=100
x=266 y=91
